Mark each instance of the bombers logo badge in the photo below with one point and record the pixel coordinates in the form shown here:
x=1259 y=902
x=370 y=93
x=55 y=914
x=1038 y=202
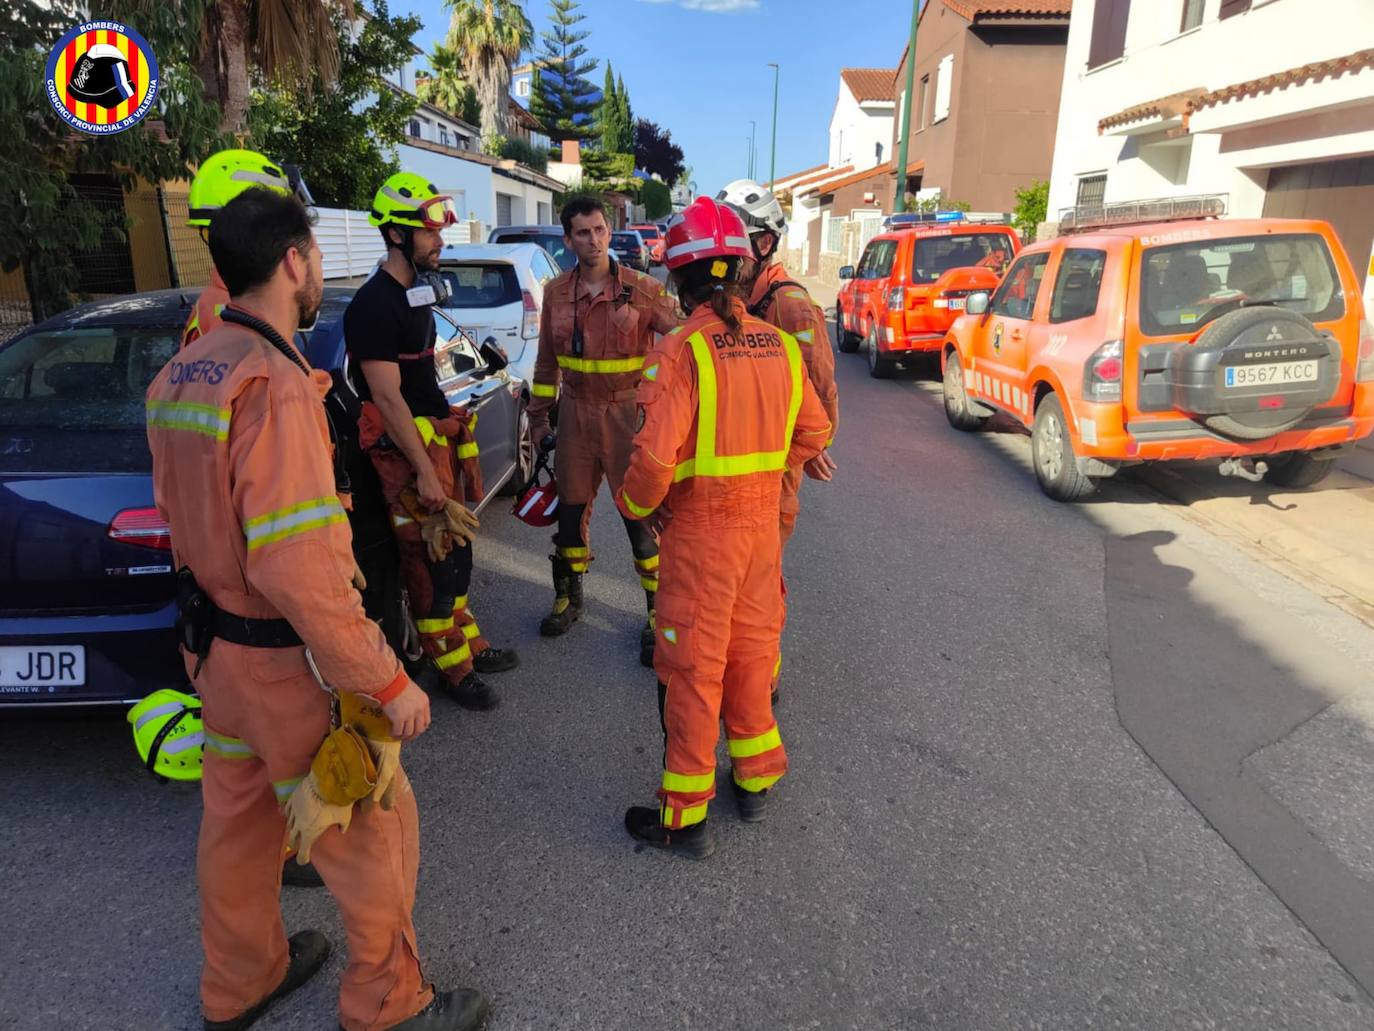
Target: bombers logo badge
x=102 y=78
x=997 y=338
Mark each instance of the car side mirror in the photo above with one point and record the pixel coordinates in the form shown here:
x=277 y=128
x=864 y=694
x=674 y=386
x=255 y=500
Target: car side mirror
x=493 y=355
x=977 y=303
x=846 y=271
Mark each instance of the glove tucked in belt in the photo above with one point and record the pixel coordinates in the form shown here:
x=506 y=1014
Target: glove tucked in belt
x=343 y=772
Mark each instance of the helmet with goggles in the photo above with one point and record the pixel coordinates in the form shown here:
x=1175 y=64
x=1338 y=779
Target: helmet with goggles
x=409 y=201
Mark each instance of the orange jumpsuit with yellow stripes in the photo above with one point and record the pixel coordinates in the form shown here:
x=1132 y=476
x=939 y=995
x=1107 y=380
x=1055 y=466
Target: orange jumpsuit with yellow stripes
x=724 y=413
x=205 y=312
x=791 y=309
x=242 y=474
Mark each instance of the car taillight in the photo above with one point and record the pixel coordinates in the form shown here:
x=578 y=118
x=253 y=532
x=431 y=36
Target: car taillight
x=896 y=299
x=1102 y=373
x=530 y=327
x=142 y=527
x=1364 y=369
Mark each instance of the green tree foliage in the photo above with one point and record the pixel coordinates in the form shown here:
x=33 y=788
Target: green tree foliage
x=43 y=221
x=345 y=149
x=613 y=124
x=564 y=100
x=604 y=167
x=490 y=35
x=527 y=154
x=655 y=151
x=656 y=198
x=1032 y=204
x=445 y=87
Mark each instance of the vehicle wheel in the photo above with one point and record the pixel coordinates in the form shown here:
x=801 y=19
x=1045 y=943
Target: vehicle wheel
x=844 y=340
x=1052 y=453
x=524 y=457
x=878 y=366
x=1298 y=469
x=957 y=409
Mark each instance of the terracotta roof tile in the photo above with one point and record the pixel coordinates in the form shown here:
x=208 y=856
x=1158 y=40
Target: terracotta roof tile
x=976 y=8
x=886 y=169
x=787 y=180
x=1172 y=106
x=868 y=83
x=803 y=185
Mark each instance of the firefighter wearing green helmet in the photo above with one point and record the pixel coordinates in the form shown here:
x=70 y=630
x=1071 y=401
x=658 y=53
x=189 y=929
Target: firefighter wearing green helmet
x=424 y=450
x=221 y=178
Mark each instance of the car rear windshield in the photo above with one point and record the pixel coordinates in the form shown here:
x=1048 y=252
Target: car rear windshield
x=551 y=242
x=72 y=400
x=648 y=232
x=1184 y=286
x=481 y=286
x=625 y=239
x=933 y=256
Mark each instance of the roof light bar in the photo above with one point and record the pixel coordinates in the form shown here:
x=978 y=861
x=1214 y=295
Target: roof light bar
x=1137 y=212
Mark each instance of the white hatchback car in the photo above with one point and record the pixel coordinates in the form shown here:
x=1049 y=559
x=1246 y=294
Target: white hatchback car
x=497 y=291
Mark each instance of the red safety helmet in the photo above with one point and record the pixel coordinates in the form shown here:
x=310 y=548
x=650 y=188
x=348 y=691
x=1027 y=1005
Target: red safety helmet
x=705 y=229
x=537 y=504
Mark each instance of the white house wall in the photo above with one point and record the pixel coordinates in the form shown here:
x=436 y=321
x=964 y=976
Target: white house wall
x=469 y=182
x=856 y=130
x=1273 y=36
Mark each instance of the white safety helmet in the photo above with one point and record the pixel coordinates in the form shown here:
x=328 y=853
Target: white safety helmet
x=755 y=205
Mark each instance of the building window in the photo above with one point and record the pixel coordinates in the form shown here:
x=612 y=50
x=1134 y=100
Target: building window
x=1109 y=31
x=1230 y=8
x=878 y=152
x=415 y=127
x=921 y=108
x=1092 y=189
x=1192 y=14
x=522 y=88
x=944 y=88
x=443 y=135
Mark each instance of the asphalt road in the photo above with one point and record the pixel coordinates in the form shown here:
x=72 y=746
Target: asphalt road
x=1052 y=767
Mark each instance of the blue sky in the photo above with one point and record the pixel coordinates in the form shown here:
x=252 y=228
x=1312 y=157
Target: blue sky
x=699 y=68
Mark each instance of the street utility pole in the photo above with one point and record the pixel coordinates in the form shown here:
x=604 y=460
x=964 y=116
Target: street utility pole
x=899 y=202
x=752 y=124
x=773 y=147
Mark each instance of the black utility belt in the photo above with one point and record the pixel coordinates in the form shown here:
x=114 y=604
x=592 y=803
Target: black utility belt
x=255 y=633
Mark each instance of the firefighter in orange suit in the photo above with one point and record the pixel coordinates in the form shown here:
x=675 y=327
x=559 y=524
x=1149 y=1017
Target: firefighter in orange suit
x=598 y=322
x=221 y=178
x=783 y=303
x=243 y=475
x=725 y=407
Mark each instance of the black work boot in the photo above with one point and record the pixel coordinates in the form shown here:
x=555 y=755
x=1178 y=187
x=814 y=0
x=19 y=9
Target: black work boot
x=463 y=1009
x=495 y=660
x=472 y=692
x=694 y=842
x=753 y=805
x=567 y=599
x=300 y=875
x=308 y=950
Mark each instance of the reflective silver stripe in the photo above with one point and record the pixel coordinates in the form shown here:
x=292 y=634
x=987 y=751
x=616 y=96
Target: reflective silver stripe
x=283 y=788
x=177 y=745
x=737 y=241
x=284 y=523
x=165 y=709
x=243 y=175
x=690 y=247
x=229 y=747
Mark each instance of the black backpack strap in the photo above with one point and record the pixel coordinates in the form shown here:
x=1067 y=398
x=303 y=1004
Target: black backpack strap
x=757 y=310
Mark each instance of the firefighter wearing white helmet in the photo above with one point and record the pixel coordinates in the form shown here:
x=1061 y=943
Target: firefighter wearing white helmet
x=776 y=299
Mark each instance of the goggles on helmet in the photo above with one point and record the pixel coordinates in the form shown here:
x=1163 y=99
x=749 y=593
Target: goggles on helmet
x=437 y=212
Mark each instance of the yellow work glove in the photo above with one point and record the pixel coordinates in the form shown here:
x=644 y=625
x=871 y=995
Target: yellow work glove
x=365 y=716
x=461 y=522
x=342 y=772
x=434 y=532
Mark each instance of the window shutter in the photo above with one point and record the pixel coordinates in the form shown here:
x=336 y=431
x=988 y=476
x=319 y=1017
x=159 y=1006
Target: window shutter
x=944 y=83
x=1109 y=31
x=1233 y=7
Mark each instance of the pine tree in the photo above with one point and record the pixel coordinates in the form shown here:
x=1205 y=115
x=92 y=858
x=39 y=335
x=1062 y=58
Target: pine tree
x=613 y=124
x=625 y=118
x=564 y=102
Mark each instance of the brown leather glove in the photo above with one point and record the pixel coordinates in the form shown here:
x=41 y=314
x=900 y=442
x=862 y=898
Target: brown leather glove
x=460 y=522
x=434 y=532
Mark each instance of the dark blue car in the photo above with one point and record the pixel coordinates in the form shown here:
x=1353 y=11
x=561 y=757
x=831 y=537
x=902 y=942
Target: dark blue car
x=86 y=578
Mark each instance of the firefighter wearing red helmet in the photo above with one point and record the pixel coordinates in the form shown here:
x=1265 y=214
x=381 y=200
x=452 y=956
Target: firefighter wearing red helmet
x=598 y=322
x=725 y=408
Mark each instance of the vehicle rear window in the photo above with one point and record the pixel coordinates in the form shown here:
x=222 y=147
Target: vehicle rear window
x=933 y=256
x=481 y=286
x=72 y=400
x=625 y=239
x=551 y=242
x=648 y=232
x=1184 y=286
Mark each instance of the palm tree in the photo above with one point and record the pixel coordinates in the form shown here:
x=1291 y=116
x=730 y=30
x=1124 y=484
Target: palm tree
x=490 y=35
x=445 y=87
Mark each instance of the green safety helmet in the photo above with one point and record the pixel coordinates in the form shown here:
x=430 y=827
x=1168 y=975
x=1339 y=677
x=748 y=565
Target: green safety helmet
x=168 y=734
x=410 y=201
x=225 y=175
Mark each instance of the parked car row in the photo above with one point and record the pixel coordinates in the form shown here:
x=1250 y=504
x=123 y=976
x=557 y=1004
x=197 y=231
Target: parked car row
x=1127 y=341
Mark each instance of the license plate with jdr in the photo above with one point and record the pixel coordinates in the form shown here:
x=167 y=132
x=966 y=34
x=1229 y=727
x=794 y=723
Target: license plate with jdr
x=1273 y=374
x=41 y=668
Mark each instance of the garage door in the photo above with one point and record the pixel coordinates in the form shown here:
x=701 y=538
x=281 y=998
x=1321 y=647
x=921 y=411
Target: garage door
x=503 y=209
x=1341 y=192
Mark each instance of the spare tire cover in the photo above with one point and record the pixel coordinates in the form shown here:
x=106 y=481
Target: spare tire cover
x=1255 y=372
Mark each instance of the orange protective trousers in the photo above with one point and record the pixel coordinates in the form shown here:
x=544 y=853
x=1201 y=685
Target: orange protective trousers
x=265 y=717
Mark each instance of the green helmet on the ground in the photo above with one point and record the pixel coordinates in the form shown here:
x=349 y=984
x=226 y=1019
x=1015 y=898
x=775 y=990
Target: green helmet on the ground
x=411 y=201
x=168 y=734
x=223 y=176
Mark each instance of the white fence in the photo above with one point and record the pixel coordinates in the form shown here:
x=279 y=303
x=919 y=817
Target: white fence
x=847 y=237
x=352 y=248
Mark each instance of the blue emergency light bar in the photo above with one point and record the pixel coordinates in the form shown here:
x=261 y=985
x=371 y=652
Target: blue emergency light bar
x=912 y=218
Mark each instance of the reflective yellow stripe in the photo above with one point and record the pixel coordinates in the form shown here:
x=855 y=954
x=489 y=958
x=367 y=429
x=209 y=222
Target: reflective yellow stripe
x=574 y=552
x=287 y=522
x=688 y=784
x=745 y=747
x=651 y=373
x=227 y=747
x=638 y=510
x=601 y=365
x=283 y=788
x=543 y=390
x=777 y=666
x=460 y=602
x=470 y=631
x=758 y=783
x=434 y=626
x=400 y=520
x=183 y=415
x=687 y=816
x=645 y=565
x=427 y=434
x=649 y=583
x=455 y=657
x=467 y=450
x=706 y=462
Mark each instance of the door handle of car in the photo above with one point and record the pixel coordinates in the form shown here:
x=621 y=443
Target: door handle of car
x=1016 y=334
